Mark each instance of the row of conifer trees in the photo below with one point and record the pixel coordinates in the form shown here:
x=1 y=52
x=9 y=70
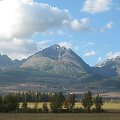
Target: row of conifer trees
x=58 y=103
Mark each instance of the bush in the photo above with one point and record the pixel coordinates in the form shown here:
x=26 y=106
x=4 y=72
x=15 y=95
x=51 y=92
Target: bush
x=97 y=111
x=78 y=110
x=29 y=110
x=45 y=108
x=57 y=102
x=8 y=103
x=24 y=105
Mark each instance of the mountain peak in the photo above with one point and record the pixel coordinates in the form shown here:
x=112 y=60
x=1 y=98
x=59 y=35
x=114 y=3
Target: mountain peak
x=54 y=52
x=57 y=46
x=6 y=62
x=58 y=59
x=108 y=61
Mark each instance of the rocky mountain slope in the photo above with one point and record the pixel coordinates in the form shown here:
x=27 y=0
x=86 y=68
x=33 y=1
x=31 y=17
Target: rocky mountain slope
x=56 y=59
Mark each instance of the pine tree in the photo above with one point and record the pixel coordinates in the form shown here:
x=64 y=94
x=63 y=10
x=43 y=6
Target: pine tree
x=87 y=101
x=98 y=102
x=57 y=102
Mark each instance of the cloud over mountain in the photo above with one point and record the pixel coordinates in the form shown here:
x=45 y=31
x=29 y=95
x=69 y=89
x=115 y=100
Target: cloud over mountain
x=90 y=53
x=24 y=18
x=20 y=20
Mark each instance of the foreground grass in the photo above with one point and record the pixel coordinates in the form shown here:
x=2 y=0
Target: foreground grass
x=115 y=116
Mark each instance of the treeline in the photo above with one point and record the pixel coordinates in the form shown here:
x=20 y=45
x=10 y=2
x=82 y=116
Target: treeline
x=59 y=103
x=33 y=96
x=8 y=103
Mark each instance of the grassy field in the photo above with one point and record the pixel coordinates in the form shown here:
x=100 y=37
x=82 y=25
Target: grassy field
x=104 y=116
x=113 y=107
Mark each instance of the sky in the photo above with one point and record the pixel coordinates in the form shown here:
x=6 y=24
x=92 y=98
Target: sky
x=91 y=28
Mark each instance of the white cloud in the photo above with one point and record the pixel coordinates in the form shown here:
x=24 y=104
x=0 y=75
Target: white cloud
x=96 y=6
x=17 y=48
x=90 y=53
x=81 y=25
x=85 y=20
x=20 y=49
x=111 y=55
x=65 y=44
x=75 y=25
x=43 y=44
x=68 y=44
x=99 y=59
x=20 y=20
x=23 y=18
x=109 y=25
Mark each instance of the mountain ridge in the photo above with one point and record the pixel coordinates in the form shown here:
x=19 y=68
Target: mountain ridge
x=6 y=62
x=110 y=66
x=54 y=58
x=57 y=68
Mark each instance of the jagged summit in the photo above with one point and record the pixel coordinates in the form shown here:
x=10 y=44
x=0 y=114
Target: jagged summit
x=56 y=59
x=6 y=62
x=110 y=67
x=108 y=61
x=54 y=52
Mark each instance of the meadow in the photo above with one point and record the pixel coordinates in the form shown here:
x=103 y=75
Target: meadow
x=51 y=116
x=108 y=106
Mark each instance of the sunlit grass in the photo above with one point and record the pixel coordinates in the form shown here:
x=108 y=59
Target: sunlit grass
x=106 y=106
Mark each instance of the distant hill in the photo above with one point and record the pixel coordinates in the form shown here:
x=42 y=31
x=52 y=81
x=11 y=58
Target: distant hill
x=6 y=62
x=109 y=67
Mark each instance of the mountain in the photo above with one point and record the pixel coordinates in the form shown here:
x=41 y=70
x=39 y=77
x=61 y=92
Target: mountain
x=6 y=62
x=110 y=67
x=56 y=69
x=57 y=59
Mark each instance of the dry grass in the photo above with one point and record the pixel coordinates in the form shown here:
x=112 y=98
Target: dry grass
x=106 y=106
x=79 y=116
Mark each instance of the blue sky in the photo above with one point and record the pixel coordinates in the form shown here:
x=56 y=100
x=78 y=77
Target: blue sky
x=89 y=27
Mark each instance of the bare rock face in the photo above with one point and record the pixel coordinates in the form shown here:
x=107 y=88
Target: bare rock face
x=56 y=59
